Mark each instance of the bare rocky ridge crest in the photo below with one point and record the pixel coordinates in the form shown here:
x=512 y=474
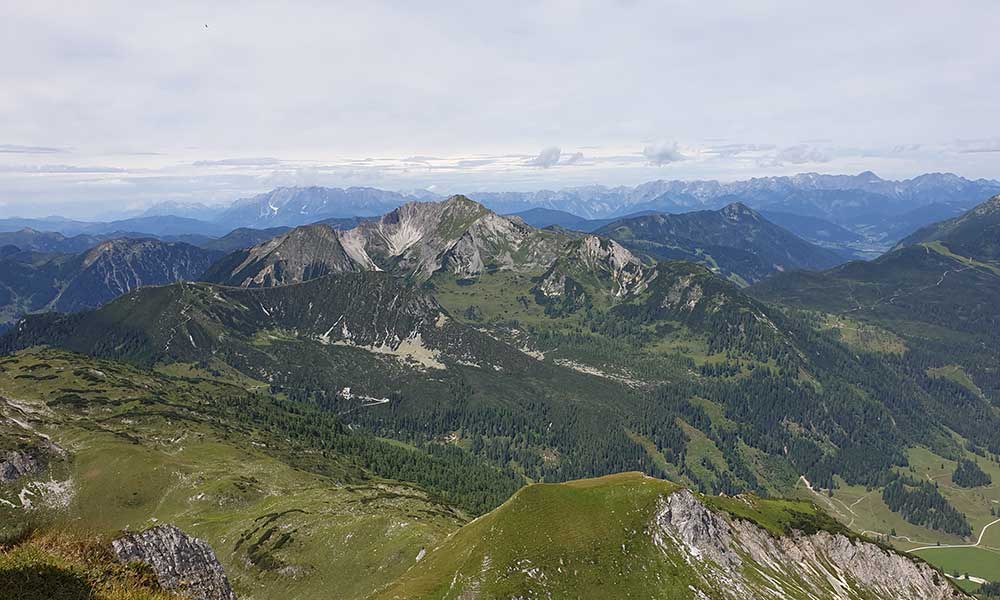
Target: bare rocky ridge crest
x=742 y=561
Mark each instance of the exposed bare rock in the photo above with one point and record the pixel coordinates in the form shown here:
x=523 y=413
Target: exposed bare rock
x=415 y=240
x=31 y=461
x=595 y=266
x=734 y=556
x=182 y=564
x=684 y=294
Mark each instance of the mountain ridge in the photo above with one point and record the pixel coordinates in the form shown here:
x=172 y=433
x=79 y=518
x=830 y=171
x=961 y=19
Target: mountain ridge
x=415 y=240
x=32 y=282
x=628 y=535
x=736 y=240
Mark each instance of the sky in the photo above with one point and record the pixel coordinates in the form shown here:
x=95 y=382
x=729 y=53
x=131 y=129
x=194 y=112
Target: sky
x=110 y=107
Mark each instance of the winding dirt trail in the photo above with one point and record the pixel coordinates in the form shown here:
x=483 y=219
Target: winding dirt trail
x=977 y=544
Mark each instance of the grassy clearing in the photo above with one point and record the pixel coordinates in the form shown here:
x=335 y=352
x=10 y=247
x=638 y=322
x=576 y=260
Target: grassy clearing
x=863 y=337
x=498 y=296
x=956 y=374
x=864 y=511
x=701 y=452
x=969 y=262
x=977 y=562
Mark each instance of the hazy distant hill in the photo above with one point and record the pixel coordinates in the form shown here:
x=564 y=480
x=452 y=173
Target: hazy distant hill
x=299 y=206
x=49 y=241
x=947 y=274
x=975 y=233
x=735 y=240
x=157 y=226
x=31 y=282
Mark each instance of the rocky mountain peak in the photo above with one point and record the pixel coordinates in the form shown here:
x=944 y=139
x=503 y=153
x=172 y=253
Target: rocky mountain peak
x=463 y=201
x=414 y=240
x=603 y=252
x=737 y=211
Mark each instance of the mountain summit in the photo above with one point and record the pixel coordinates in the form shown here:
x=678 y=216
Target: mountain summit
x=415 y=240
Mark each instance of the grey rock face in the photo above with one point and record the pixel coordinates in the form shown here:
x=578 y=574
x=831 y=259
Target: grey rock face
x=182 y=564
x=618 y=273
x=733 y=555
x=415 y=240
x=18 y=463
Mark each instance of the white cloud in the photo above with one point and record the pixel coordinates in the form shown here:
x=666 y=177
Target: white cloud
x=16 y=149
x=731 y=150
x=801 y=154
x=475 y=162
x=548 y=157
x=663 y=153
x=158 y=91
x=982 y=146
x=59 y=169
x=238 y=162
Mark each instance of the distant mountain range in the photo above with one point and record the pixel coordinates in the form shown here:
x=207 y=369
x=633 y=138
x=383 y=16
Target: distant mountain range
x=859 y=216
x=466 y=239
x=299 y=206
x=944 y=275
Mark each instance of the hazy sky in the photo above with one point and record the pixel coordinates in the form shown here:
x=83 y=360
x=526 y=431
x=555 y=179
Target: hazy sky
x=107 y=106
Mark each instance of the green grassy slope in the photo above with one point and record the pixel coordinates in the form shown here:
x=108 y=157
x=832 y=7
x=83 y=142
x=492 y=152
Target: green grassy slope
x=596 y=538
x=283 y=518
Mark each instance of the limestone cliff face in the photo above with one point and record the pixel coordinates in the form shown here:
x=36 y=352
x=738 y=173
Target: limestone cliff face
x=735 y=557
x=594 y=266
x=415 y=240
x=182 y=564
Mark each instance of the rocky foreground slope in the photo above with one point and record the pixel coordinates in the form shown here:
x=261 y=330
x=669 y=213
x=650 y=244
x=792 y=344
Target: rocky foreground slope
x=631 y=536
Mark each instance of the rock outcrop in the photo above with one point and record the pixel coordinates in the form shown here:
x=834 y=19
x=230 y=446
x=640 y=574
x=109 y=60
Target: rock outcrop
x=182 y=564
x=734 y=556
x=591 y=268
x=30 y=461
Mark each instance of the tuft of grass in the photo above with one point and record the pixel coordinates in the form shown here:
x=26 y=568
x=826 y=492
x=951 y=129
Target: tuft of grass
x=63 y=565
